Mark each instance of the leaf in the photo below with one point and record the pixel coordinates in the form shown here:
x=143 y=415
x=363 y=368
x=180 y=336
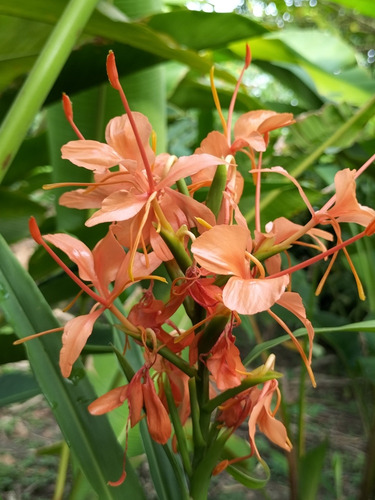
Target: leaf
x=310 y=471
x=246 y=471
x=15 y=209
x=210 y=29
x=365 y=7
x=90 y=438
x=328 y=62
x=363 y=326
x=16 y=387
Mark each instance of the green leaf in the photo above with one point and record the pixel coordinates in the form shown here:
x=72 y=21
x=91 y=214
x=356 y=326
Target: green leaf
x=365 y=7
x=244 y=471
x=90 y=438
x=17 y=386
x=15 y=209
x=41 y=78
x=310 y=472
x=210 y=29
x=328 y=63
x=363 y=326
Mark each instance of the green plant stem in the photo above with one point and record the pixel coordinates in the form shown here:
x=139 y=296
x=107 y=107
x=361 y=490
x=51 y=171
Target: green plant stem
x=198 y=438
x=41 y=78
x=368 y=480
x=215 y=193
x=202 y=473
x=179 y=431
x=301 y=413
x=61 y=474
x=248 y=382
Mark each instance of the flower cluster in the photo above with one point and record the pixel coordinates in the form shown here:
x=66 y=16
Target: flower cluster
x=219 y=269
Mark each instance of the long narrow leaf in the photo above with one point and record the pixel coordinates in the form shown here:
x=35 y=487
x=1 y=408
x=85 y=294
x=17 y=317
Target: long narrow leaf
x=42 y=77
x=90 y=438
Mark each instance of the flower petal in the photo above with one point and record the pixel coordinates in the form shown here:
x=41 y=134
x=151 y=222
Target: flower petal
x=76 y=333
x=77 y=252
x=222 y=249
x=109 y=401
x=92 y=155
x=118 y=206
x=188 y=165
x=250 y=296
x=158 y=423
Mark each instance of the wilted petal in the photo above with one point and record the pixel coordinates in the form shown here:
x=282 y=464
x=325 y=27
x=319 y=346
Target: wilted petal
x=251 y=296
x=158 y=423
x=76 y=333
x=92 y=155
x=109 y=401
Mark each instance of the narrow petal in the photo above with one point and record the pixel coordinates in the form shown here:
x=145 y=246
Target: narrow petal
x=251 y=296
x=293 y=302
x=120 y=136
x=109 y=401
x=108 y=255
x=118 y=206
x=188 y=165
x=158 y=422
x=92 y=155
x=76 y=333
x=347 y=208
x=77 y=252
x=222 y=249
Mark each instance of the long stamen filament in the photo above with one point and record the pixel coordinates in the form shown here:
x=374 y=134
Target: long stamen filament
x=35 y=233
x=319 y=257
x=68 y=111
x=234 y=96
x=115 y=82
x=217 y=101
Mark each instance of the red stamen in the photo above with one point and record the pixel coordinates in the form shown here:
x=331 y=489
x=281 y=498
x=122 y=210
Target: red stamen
x=321 y=256
x=115 y=82
x=233 y=100
x=35 y=233
x=68 y=111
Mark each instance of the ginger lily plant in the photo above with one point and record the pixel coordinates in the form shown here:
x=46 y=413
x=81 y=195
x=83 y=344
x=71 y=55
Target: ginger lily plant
x=193 y=388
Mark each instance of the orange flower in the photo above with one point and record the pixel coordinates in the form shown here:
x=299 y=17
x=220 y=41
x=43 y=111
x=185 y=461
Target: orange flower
x=140 y=394
x=225 y=250
x=262 y=416
x=224 y=362
x=107 y=263
x=344 y=206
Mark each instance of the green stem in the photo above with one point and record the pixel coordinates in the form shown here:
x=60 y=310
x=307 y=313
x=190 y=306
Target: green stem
x=248 y=382
x=61 y=474
x=301 y=414
x=179 y=431
x=41 y=78
x=198 y=438
x=215 y=193
x=202 y=473
x=368 y=480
